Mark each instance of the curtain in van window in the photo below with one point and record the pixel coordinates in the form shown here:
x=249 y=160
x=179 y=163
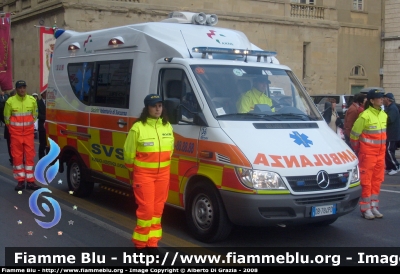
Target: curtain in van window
x=80 y=76
x=113 y=82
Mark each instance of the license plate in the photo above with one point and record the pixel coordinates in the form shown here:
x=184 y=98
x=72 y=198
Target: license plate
x=323 y=210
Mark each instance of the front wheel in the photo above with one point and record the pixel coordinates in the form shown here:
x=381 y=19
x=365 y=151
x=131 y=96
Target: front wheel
x=206 y=216
x=75 y=179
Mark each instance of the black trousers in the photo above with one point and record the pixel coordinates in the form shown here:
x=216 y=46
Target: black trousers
x=8 y=138
x=390 y=157
x=42 y=144
x=9 y=149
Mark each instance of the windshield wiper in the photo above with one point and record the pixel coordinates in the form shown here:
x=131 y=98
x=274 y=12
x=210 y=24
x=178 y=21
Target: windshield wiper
x=297 y=115
x=250 y=116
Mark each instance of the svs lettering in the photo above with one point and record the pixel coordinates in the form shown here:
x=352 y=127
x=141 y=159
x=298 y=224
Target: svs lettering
x=108 y=151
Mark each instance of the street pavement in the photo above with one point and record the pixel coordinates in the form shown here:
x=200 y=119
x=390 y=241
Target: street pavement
x=104 y=220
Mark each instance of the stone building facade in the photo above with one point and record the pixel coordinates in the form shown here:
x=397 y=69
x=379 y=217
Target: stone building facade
x=391 y=40
x=333 y=46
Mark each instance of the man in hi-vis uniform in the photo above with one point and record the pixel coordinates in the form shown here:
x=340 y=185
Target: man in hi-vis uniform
x=20 y=114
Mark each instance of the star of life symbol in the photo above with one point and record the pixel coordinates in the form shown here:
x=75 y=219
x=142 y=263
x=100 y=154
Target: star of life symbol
x=301 y=139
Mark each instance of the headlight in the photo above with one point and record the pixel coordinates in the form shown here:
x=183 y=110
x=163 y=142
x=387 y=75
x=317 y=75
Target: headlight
x=355 y=175
x=257 y=179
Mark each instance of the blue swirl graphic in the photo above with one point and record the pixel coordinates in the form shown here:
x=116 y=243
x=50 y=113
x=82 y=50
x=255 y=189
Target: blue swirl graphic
x=45 y=161
x=35 y=209
x=50 y=174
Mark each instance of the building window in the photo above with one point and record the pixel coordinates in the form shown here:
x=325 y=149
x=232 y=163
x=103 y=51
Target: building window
x=358 y=5
x=355 y=89
x=309 y=2
x=358 y=71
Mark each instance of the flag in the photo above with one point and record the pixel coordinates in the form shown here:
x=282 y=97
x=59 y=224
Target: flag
x=47 y=42
x=5 y=52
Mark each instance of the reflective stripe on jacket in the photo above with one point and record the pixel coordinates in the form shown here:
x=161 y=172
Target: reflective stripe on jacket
x=251 y=98
x=149 y=146
x=368 y=134
x=20 y=114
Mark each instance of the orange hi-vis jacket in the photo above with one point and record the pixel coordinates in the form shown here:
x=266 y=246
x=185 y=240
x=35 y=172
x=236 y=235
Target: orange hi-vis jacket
x=20 y=114
x=368 y=134
x=149 y=146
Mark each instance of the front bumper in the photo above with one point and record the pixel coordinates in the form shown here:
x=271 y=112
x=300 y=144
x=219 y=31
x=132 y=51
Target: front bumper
x=269 y=210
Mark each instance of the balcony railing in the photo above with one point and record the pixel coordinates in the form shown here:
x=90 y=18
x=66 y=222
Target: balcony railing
x=306 y=11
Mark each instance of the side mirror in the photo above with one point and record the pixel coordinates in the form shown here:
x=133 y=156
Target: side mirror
x=198 y=117
x=200 y=120
x=173 y=110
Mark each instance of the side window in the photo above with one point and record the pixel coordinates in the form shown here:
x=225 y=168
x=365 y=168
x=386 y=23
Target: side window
x=113 y=83
x=80 y=77
x=102 y=83
x=176 y=85
x=321 y=104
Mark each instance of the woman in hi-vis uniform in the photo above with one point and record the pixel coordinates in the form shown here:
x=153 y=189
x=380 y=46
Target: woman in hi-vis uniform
x=368 y=140
x=147 y=152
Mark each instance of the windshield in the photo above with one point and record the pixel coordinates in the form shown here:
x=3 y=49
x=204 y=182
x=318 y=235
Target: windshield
x=256 y=93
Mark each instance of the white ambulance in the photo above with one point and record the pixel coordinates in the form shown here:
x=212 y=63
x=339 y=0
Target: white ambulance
x=273 y=165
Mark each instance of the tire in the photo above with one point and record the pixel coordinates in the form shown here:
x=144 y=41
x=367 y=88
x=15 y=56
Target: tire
x=324 y=223
x=75 y=179
x=205 y=214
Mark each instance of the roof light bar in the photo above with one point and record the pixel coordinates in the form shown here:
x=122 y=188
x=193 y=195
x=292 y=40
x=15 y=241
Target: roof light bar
x=208 y=51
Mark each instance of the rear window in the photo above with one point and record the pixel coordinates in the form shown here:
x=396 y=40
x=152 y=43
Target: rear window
x=323 y=99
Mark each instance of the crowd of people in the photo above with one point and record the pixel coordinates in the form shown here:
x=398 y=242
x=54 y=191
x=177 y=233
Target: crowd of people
x=372 y=129
x=19 y=112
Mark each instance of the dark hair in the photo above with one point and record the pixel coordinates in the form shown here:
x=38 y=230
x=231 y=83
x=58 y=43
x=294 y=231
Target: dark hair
x=145 y=114
x=359 y=98
x=332 y=100
x=368 y=104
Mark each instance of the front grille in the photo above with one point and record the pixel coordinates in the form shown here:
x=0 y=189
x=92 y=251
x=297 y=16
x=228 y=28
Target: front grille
x=277 y=212
x=321 y=199
x=309 y=183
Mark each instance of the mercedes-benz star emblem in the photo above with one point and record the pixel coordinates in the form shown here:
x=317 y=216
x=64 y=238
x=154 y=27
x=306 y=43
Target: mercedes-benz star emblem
x=323 y=179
